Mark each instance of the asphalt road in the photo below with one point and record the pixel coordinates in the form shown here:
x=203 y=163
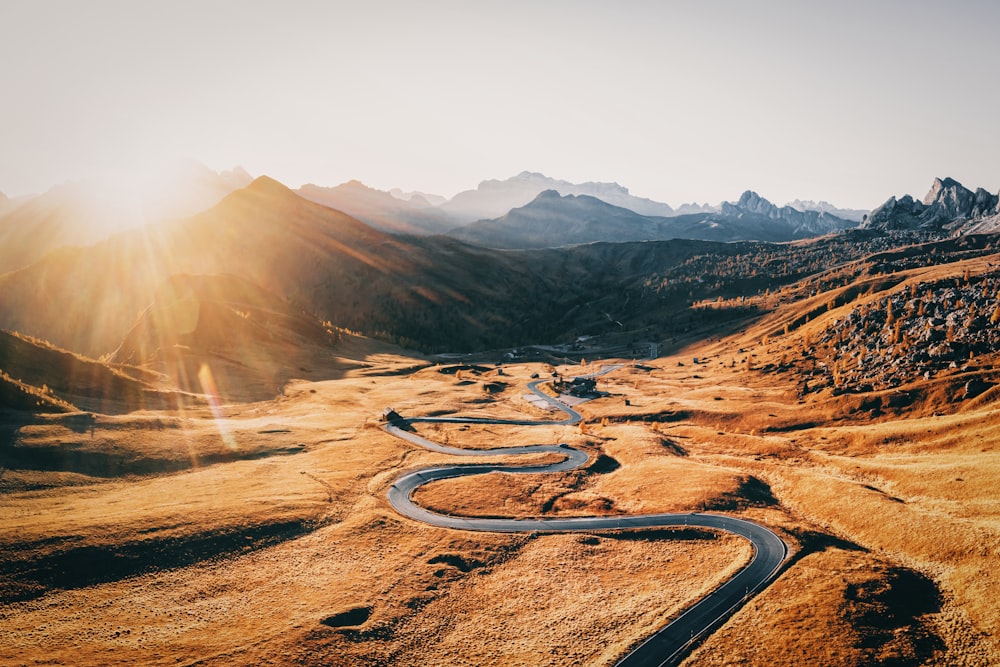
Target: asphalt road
x=672 y=642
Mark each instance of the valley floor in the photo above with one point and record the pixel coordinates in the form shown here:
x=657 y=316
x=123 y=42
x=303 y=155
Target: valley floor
x=269 y=539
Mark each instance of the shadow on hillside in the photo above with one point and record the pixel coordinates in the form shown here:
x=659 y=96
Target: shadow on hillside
x=720 y=323
x=752 y=492
x=122 y=462
x=892 y=606
x=886 y=605
x=67 y=443
x=811 y=542
x=9 y=425
x=31 y=571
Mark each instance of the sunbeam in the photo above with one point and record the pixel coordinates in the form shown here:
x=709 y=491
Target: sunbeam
x=212 y=394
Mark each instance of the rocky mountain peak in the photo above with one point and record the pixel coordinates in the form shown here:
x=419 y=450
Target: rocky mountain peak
x=942 y=188
x=531 y=176
x=265 y=184
x=548 y=194
x=354 y=185
x=950 y=196
x=947 y=205
x=752 y=201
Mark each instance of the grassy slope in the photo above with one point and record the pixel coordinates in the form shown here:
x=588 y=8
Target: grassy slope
x=894 y=516
x=309 y=536
x=59 y=379
x=221 y=334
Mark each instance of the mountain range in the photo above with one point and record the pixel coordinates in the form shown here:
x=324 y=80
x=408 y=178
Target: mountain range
x=553 y=220
x=267 y=264
x=521 y=212
x=84 y=213
x=327 y=263
x=529 y=210
x=852 y=214
x=382 y=210
x=494 y=198
x=266 y=272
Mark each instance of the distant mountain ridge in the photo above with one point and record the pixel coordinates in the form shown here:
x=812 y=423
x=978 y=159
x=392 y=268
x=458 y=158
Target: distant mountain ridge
x=554 y=220
x=494 y=198
x=694 y=207
x=947 y=206
x=380 y=209
x=853 y=214
x=800 y=224
x=415 y=196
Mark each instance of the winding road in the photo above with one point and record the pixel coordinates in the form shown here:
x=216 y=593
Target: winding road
x=672 y=642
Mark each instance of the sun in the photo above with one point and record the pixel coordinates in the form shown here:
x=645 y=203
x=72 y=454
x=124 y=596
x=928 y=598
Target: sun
x=143 y=191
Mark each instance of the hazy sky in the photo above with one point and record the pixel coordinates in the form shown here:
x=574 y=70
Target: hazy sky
x=846 y=101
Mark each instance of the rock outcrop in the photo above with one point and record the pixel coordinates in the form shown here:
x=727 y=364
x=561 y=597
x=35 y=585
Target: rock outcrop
x=948 y=206
x=799 y=224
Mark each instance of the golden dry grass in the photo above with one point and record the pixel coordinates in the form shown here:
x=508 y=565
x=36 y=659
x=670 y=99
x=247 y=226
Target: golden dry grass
x=834 y=608
x=907 y=503
x=344 y=549
x=637 y=474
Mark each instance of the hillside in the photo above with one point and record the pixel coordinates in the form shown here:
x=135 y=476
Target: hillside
x=899 y=330
x=822 y=388
x=886 y=493
x=38 y=377
x=224 y=334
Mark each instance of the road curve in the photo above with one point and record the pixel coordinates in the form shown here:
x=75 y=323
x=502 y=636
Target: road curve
x=672 y=642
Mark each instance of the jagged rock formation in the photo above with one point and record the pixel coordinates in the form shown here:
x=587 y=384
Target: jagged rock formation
x=948 y=206
x=801 y=224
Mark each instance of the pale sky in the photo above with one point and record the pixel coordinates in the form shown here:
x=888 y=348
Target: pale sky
x=847 y=101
